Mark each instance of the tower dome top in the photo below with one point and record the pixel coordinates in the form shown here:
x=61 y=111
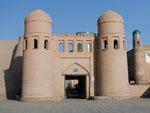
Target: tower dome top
x=136 y=33
x=38 y=15
x=110 y=16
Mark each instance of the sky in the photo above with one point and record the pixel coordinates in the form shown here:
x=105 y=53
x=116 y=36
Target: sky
x=71 y=16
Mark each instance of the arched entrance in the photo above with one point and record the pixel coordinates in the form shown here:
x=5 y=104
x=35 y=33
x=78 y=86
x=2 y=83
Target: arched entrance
x=76 y=84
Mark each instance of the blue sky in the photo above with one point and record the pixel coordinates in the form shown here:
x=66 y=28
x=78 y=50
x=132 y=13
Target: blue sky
x=71 y=16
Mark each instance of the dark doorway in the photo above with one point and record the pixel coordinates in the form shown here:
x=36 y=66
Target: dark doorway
x=75 y=87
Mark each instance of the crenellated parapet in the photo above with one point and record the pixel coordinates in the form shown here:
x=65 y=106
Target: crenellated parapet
x=73 y=35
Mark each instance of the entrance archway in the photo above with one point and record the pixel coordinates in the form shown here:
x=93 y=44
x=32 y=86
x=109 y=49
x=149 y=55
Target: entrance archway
x=76 y=82
x=75 y=86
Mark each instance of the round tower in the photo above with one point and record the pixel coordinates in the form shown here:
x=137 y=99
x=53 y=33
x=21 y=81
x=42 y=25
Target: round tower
x=113 y=72
x=37 y=58
x=138 y=60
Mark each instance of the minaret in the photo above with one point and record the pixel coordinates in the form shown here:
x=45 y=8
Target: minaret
x=37 y=83
x=138 y=60
x=113 y=72
x=136 y=39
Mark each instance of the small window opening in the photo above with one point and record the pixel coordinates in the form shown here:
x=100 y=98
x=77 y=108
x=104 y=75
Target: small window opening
x=115 y=44
x=89 y=47
x=138 y=43
x=35 y=44
x=124 y=44
x=70 y=47
x=45 y=44
x=61 y=47
x=105 y=44
x=80 y=47
x=25 y=43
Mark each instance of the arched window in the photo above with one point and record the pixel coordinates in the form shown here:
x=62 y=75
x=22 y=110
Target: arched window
x=25 y=44
x=61 y=47
x=35 y=43
x=115 y=44
x=46 y=44
x=105 y=44
x=89 y=47
x=138 y=43
x=80 y=47
x=70 y=47
x=124 y=44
